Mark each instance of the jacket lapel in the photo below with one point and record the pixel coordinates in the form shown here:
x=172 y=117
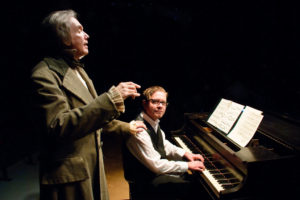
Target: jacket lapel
x=72 y=83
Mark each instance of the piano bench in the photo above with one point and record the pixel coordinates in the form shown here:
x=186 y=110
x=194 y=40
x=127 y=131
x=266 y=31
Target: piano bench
x=145 y=191
x=140 y=191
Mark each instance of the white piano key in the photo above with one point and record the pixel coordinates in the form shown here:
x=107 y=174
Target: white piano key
x=206 y=173
x=182 y=144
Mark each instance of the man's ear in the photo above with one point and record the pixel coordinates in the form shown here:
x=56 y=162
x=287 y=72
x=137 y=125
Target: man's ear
x=144 y=103
x=67 y=42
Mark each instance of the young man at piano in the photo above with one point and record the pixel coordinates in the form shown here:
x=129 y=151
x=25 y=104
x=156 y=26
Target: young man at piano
x=153 y=166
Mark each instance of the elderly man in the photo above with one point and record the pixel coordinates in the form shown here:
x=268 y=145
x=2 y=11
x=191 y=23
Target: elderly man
x=70 y=115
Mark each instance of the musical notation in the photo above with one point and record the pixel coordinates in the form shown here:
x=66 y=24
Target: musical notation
x=239 y=122
x=246 y=127
x=225 y=115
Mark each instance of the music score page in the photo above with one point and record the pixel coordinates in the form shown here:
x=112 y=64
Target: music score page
x=225 y=115
x=246 y=126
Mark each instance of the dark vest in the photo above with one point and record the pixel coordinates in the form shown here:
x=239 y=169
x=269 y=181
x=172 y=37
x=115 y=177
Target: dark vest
x=134 y=170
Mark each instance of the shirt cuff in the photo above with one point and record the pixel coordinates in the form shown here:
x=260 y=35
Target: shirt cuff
x=185 y=166
x=117 y=99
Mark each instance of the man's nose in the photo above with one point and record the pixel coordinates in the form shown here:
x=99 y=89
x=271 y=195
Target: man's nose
x=86 y=35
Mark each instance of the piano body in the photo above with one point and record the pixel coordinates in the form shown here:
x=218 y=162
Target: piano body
x=267 y=168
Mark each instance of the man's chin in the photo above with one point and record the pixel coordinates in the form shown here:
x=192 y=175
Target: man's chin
x=159 y=116
x=83 y=55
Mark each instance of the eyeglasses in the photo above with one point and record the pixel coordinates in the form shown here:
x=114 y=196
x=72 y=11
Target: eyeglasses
x=157 y=102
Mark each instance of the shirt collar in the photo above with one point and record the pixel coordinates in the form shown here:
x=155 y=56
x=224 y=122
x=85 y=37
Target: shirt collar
x=153 y=123
x=69 y=57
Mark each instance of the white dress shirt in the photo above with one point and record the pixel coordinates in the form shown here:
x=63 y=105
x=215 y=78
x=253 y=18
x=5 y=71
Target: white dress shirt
x=80 y=77
x=140 y=145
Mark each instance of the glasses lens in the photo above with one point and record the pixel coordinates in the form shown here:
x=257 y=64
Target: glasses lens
x=157 y=102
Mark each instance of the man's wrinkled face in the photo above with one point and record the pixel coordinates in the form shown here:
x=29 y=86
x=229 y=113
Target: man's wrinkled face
x=79 y=39
x=156 y=106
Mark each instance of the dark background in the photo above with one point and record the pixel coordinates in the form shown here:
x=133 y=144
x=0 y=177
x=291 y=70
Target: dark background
x=200 y=51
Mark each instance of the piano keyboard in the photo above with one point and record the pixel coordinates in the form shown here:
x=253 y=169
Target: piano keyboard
x=215 y=174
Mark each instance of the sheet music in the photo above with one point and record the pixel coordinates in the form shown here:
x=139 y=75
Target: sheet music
x=225 y=115
x=246 y=126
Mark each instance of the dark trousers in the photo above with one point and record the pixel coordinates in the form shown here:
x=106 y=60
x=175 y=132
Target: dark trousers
x=168 y=187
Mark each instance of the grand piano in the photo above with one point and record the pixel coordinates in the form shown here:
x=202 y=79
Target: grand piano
x=267 y=168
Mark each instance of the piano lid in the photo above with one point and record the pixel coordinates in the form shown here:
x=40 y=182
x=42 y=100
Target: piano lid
x=282 y=129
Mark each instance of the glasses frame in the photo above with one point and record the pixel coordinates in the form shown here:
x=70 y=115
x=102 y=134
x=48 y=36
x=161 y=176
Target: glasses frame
x=158 y=102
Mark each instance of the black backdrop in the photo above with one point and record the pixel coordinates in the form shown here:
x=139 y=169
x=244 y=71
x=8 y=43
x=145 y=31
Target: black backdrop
x=200 y=51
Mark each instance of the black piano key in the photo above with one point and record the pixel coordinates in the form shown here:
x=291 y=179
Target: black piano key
x=228 y=186
x=214 y=166
x=228 y=175
x=223 y=181
x=209 y=166
x=228 y=181
x=214 y=171
x=224 y=170
x=221 y=175
x=192 y=146
x=234 y=181
x=209 y=158
x=218 y=176
x=217 y=165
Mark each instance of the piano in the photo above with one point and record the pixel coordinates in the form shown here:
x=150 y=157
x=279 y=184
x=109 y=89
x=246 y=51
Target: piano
x=267 y=168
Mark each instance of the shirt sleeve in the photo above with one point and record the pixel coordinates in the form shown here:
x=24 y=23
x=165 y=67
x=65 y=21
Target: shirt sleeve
x=172 y=151
x=140 y=145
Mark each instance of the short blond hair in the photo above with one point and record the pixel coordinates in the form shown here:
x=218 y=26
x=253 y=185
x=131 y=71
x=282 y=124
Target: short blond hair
x=147 y=93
